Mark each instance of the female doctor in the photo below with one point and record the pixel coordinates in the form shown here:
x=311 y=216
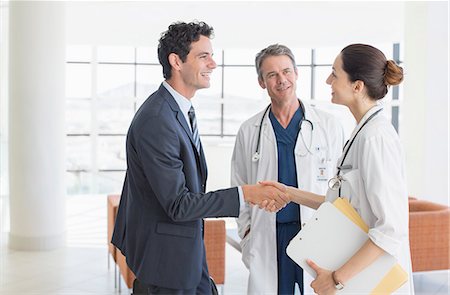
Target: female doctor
x=314 y=149
x=371 y=172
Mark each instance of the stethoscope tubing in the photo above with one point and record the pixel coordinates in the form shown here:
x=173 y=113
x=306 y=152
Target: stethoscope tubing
x=256 y=155
x=335 y=183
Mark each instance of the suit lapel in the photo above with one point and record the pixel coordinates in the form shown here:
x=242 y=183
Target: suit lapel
x=204 y=167
x=178 y=114
x=184 y=124
x=181 y=119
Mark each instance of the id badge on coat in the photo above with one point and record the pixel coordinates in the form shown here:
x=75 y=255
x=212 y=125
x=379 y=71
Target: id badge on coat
x=322 y=172
x=322 y=167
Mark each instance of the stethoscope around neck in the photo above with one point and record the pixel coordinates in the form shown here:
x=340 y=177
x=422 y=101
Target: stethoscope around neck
x=256 y=156
x=335 y=183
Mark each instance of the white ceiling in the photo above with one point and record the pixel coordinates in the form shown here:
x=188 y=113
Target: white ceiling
x=238 y=24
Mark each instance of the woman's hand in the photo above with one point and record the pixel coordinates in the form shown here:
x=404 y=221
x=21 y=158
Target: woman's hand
x=296 y=195
x=277 y=185
x=324 y=283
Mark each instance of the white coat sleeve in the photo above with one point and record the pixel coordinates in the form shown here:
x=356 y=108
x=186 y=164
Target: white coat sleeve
x=239 y=176
x=382 y=172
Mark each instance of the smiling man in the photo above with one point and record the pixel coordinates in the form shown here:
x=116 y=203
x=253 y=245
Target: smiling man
x=290 y=142
x=159 y=223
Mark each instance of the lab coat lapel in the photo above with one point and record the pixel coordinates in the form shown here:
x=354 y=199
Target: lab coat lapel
x=269 y=152
x=308 y=139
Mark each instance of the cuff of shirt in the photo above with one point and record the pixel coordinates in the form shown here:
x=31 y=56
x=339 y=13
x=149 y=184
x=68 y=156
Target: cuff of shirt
x=241 y=199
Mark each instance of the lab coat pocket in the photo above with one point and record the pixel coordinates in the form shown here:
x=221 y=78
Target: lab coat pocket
x=352 y=187
x=245 y=247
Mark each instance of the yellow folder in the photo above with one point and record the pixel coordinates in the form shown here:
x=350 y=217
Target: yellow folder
x=396 y=276
x=332 y=235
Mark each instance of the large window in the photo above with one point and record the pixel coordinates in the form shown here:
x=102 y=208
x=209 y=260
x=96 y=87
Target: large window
x=106 y=85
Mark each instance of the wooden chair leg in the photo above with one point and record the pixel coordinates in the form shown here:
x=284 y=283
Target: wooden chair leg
x=120 y=282
x=115 y=276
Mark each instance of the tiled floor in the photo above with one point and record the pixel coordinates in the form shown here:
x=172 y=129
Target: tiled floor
x=81 y=267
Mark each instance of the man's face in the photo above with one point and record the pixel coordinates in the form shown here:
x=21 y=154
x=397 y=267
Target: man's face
x=196 y=70
x=279 y=76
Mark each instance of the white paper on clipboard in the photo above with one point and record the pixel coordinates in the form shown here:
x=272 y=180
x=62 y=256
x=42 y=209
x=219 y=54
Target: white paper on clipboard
x=329 y=239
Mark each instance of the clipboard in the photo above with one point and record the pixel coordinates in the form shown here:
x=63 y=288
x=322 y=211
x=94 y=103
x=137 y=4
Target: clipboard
x=333 y=234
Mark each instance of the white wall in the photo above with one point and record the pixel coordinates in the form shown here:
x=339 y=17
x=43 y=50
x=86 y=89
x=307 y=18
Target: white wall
x=218 y=157
x=238 y=24
x=424 y=128
x=4 y=185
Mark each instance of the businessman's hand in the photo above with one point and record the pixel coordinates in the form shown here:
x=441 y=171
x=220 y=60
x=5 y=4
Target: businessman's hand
x=324 y=283
x=282 y=187
x=268 y=197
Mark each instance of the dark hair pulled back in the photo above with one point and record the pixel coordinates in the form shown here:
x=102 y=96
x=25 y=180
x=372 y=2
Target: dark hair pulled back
x=368 y=64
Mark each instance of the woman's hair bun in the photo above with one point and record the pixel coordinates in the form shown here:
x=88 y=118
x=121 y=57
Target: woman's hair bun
x=393 y=73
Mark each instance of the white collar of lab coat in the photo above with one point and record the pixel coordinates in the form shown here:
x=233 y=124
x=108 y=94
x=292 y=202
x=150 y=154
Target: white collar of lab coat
x=308 y=139
x=364 y=118
x=309 y=135
x=309 y=111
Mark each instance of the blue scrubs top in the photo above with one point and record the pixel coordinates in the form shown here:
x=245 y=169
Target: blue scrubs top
x=288 y=218
x=287 y=173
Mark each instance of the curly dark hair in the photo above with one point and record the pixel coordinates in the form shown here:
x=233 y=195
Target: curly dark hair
x=177 y=39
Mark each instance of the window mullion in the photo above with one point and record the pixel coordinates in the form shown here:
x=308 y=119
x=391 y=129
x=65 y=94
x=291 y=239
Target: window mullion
x=94 y=123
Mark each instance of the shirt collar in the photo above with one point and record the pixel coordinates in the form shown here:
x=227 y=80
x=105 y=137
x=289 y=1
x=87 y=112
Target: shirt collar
x=184 y=103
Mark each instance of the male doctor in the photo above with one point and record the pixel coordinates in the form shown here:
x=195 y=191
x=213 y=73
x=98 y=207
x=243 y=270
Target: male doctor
x=290 y=142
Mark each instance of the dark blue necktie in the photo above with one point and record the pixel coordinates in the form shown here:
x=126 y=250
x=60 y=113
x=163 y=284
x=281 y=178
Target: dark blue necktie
x=193 y=122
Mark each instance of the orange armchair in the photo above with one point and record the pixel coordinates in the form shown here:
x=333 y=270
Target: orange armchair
x=119 y=259
x=112 y=205
x=215 y=237
x=429 y=235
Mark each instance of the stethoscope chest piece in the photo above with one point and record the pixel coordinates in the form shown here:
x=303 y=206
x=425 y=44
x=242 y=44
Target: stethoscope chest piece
x=256 y=156
x=335 y=183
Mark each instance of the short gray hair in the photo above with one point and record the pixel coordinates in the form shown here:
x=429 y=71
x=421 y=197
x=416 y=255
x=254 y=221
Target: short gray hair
x=272 y=50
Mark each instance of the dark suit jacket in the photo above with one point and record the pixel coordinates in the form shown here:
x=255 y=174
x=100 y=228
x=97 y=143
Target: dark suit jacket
x=159 y=223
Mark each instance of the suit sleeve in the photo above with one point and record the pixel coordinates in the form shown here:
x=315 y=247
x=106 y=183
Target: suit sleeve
x=239 y=176
x=163 y=160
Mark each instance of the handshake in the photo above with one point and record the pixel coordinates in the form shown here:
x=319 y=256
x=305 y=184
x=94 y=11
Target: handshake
x=269 y=195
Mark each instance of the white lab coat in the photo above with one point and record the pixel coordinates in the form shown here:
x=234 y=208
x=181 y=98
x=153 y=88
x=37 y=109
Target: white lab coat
x=325 y=141
x=376 y=187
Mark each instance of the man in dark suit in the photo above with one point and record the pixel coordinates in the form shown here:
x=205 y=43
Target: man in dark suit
x=159 y=223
